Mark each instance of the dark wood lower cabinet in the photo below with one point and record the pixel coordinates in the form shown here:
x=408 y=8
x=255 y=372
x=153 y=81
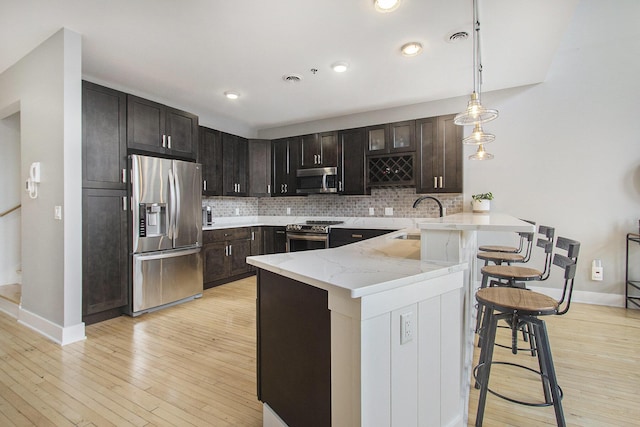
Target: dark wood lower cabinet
x=294 y=350
x=344 y=236
x=105 y=258
x=224 y=255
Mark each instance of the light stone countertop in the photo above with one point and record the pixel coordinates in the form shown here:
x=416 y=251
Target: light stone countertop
x=474 y=221
x=363 y=268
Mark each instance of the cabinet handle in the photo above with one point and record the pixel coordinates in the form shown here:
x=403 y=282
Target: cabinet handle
x=435 y=182
x=124 y=176
x=230 y=250
x=268 y=188
x=286 y=188
x=204 y=185
x=253 y=235
x=280 y=232
x=169 y=141
x=124 y=203
x=356 y=236
x=441 y=182
x=340 y=186
x=164 y=141
x=226 y=250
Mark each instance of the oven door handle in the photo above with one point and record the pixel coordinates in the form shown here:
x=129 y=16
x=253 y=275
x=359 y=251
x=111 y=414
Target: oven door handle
x=307 y=236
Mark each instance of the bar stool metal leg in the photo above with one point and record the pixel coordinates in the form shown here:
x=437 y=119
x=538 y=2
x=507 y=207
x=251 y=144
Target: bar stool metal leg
x=490 y=325
x=544 y=353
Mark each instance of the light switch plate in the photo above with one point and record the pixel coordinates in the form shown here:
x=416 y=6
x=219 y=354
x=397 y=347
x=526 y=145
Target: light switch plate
x=388 y=211
x=372 y=211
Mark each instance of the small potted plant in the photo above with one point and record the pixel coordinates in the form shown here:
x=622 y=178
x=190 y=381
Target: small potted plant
x=481 y=203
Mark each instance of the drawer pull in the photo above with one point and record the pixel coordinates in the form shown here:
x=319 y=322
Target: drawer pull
x=357 y=236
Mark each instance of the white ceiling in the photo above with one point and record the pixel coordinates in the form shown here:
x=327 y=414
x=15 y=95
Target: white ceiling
x=188 y=52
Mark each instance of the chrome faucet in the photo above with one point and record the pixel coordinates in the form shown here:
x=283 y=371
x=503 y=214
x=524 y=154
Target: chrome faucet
x=417 y=202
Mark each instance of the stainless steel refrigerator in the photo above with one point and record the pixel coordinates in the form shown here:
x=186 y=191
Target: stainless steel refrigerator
x=166 y=216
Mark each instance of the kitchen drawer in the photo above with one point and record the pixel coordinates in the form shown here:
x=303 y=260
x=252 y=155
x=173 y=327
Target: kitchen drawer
x=225 y=234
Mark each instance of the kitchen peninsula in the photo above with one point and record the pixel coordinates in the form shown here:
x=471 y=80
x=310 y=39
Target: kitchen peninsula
x=372 y=333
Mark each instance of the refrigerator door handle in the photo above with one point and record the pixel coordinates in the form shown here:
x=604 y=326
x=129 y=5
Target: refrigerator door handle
x=165 y=254
x=178 y=205
x=172 y=206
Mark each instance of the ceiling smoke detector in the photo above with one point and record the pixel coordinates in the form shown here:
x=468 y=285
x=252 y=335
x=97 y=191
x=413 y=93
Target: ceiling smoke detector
x=458 y=37
x=292 y=78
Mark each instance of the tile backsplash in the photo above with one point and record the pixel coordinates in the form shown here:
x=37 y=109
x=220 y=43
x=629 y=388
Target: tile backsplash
x=399 y=199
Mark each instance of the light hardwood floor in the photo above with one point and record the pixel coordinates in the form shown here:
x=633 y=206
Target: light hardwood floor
x=194 y=365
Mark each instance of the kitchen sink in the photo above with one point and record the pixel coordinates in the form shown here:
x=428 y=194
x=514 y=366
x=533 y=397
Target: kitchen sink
x=408 y=236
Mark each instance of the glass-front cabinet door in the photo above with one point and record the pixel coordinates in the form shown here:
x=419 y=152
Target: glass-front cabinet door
x=396 y=137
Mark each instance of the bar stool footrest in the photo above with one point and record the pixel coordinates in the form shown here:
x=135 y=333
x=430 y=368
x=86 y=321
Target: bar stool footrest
x=510 y=399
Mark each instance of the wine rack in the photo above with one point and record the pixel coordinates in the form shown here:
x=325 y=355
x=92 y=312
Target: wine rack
x=385 y=171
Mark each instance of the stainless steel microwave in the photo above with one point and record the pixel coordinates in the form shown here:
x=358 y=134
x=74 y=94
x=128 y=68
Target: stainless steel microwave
x=317 y=180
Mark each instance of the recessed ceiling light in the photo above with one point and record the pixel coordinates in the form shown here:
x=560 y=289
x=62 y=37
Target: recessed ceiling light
x=340 y=67
x=231 y=94
x=386 y=5
x=411 y=49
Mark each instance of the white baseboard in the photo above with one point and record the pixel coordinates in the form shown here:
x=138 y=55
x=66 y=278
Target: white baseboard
x=584 y=297
x=59 y=334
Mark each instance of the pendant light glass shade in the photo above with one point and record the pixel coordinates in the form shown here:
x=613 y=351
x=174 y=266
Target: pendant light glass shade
x=481 y=154
x=475 y=113
x=478 y=136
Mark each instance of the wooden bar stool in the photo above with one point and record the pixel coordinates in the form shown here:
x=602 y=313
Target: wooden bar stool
x=513 y=276
x=524 y=307
x=507 y=249
x=508 y=257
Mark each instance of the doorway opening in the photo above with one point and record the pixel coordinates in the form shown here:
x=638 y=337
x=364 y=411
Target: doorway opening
x=10 y=210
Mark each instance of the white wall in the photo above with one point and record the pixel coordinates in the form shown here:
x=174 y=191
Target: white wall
x=45 y=86
x=10 y=193
x=567 y=151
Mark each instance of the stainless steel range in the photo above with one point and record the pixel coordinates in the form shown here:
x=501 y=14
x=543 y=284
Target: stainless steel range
x=309 y=235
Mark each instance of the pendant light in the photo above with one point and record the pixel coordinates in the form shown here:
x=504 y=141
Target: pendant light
x=481 y=154
x=476 y=113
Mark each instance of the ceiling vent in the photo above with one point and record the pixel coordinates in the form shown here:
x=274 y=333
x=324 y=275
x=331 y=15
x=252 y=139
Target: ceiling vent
x=458 y=37
x=292 y=78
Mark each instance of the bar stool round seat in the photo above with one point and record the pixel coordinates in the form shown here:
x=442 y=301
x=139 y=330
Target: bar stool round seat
x=512 y=273
x=524 y=301
x=498 y=248
x=499 y=257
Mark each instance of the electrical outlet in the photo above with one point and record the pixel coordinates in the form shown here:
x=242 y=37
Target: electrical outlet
x=288 y=211
x=372 y=211
x=388 y=211
x=57 y=212
x=597 y=272
x=237 y=211
x=406 y=327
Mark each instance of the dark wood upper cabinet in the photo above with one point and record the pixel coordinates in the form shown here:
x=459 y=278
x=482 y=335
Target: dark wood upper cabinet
x=210 y=156
x=319 y=150
x=259 y=168
x=391 y=138
x=439 y=155
x=235 y=156
x=104 y=133
x=156 y=128
x=285 y=154
x=351 y=168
